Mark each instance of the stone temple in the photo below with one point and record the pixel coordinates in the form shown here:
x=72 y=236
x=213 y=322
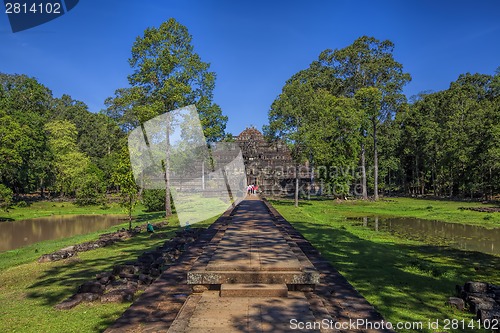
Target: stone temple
x=269 y=165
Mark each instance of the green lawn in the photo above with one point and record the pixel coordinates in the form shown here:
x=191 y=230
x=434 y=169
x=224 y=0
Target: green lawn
x=448 y=211
x=405 y=280
x=48 y=208
x=29 y=290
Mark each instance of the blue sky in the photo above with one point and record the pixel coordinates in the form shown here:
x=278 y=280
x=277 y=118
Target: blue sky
x=253 y=46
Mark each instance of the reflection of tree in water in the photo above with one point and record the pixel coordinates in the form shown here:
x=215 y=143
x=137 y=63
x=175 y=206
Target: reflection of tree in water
x=462 y=236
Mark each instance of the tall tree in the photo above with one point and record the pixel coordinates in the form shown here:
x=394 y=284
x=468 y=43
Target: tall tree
x=27 y=102
x=124 y=178
x=167 y=74
x=287 y=122
x=70 y=165
x=369 y=62
x=369 y=100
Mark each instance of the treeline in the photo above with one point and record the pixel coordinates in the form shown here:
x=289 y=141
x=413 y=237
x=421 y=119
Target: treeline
x=347 y=116
x=53 y=146
x=448 y=142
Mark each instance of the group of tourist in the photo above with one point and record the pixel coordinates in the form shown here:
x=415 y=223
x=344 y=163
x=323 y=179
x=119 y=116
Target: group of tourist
x=252 y=189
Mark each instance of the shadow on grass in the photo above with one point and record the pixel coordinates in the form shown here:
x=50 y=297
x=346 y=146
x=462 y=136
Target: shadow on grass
x=62 y=279
x=288 y=202
x=107 y=320
x=150 y=216
x=404 y=276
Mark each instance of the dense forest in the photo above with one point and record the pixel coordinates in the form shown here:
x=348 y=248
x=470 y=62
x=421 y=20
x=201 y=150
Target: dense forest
x=346 y=115
x=54 y=146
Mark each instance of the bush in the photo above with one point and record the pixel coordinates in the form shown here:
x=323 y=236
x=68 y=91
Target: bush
x=22 y=204
x=89 y=193
x=5 y=197
x=153 y=200
x=91 y=188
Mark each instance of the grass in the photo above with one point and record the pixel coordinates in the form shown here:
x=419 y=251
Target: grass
x=442 y=210
x=48 y=208
x=29 y=290
x=406 y=280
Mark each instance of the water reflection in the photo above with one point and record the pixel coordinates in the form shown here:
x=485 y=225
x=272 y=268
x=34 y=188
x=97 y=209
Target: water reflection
x=462 y=236
x=17 y=234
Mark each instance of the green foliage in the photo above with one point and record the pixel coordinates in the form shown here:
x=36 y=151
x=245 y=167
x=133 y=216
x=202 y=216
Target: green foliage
x=46 y=142
x=167 y=75
x=24 y=104
x=124 y=178
x=153 y=200
x=70 y=165
x=90 y=189
x=5 y=197
x=10 y=147
x=449 y=140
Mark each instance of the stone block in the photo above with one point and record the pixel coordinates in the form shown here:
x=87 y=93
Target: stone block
x=253 y=290
x=457 y=303
x=476 y=287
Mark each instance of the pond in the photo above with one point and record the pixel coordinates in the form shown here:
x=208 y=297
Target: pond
x=16 y=234
x=461 y=236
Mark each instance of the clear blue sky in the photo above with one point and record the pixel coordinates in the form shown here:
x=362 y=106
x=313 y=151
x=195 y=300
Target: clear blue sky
x=253 y=46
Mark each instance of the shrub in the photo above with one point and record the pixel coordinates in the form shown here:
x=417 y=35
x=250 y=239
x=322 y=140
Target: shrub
x=91 y=188
x=5 y=197
x=22 y=204
x=153 y=200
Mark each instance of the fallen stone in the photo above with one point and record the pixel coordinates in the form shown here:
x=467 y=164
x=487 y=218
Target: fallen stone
x=490 y=315
x=475 y=303
x=459 y=290
x=69 y=303
x=457 y=303
x=476 y=287
x=93 y=287
x=125 y=269
x=56 y=256
x=155 y=272
x=90 y=297
x=145 y=279
x=127 y=276
x=117 y=296
x=133 y=275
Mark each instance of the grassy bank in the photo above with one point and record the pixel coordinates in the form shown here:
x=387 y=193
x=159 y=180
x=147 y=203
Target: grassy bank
x=406 y=280
x=48 y=208
x=29 y=290
x=442 y=210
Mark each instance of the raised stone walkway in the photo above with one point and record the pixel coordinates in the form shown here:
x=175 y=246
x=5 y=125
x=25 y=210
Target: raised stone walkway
x=250 y=272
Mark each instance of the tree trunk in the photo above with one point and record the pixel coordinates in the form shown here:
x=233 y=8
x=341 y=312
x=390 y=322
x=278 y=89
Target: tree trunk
x=168 y=208
x=311 y=184
x=375 y=160
x=297 y=179
x=130 y=212
x=491 y=184
x=363 y=173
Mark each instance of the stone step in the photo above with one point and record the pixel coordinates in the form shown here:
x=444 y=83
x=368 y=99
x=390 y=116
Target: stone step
x=253 y=290
x=205 y=277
